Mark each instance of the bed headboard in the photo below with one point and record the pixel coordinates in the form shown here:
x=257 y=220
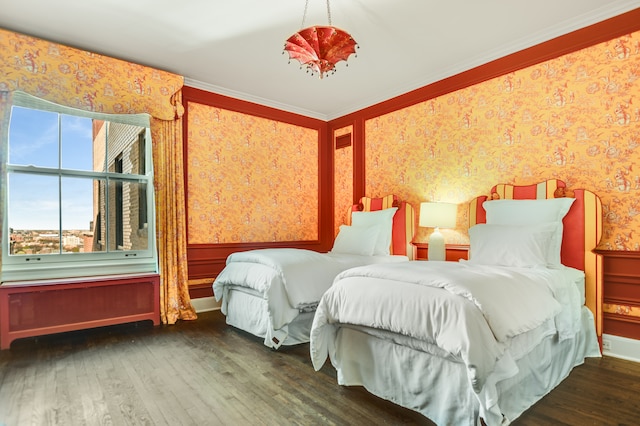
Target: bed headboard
x=582 y=231
x=404 y=222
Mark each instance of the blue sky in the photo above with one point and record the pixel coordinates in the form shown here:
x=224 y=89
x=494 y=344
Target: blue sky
x=33 y=200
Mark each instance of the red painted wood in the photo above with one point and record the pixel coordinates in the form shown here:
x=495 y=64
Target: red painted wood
x=453 y=253
x=573 y=243
x=621 y=325
x=343 y=141
x=35 y=308
x=621 y=287
x=199 y=291
x=207 y=260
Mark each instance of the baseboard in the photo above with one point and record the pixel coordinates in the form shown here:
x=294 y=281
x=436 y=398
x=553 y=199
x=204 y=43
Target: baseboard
x=205 y=304
x=621 y=347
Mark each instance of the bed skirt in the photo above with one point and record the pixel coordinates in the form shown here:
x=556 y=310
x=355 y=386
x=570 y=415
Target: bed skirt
x=248 y=312
x=438 y=387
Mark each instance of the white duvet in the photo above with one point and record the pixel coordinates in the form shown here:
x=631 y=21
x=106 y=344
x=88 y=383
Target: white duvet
x=291 y=280
x=471 y=313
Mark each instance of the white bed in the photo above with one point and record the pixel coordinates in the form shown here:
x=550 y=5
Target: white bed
x=273 y=293
x=485 y=339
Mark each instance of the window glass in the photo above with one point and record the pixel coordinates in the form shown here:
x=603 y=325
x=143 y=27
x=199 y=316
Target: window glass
x=77 y=186
x=77 y=142
x=32 y=213
x=33 y=137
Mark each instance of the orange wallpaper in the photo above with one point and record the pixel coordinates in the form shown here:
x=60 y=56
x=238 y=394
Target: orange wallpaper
x=626 y=310
x=250 y=179
x=575 y=118
x=343 y=179
x=85 y=80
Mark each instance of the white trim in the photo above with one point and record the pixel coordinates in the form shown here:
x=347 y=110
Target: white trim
x=205 y=304
x=621 y=347
x=255 y=99
x=65 y=265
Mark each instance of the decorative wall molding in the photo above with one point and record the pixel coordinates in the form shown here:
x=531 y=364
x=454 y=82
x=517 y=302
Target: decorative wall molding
x=621 y=300
x=207 y=260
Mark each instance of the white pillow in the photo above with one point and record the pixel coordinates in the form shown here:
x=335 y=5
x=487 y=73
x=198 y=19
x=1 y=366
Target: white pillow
x=531 y=212
x=356 y=240
x=511 y=245
x=382 y=218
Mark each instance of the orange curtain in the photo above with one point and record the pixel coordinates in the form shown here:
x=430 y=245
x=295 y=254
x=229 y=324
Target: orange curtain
x=171 y=228
x=85 y=80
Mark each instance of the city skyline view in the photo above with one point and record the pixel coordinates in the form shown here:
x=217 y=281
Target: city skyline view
x=33 y=141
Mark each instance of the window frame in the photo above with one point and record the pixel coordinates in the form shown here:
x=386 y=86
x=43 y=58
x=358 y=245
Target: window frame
x=67 y=265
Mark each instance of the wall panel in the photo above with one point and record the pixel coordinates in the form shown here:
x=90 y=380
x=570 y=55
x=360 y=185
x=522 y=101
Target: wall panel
x=256 y=177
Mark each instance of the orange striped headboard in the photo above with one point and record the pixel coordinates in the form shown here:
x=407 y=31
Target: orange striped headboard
x=404 y=222
x=582 y=231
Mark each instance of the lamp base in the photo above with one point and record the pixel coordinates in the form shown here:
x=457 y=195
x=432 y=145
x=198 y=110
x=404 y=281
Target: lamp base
x=436 y=250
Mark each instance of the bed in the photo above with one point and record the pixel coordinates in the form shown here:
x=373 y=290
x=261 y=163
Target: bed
x=273 y=293
x=479 y=340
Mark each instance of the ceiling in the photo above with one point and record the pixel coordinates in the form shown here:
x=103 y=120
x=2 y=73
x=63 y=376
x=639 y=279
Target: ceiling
x=234 y=47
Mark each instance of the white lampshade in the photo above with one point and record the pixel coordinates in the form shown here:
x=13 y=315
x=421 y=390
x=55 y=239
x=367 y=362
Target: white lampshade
x=437 y=215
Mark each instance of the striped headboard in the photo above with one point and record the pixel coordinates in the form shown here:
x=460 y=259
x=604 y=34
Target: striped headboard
x=582 y=231
x=404 y=222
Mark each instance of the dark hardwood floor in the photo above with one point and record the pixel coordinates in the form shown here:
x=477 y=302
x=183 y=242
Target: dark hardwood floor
x=204 y=372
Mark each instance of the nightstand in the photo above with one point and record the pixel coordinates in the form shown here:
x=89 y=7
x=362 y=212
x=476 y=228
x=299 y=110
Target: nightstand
x=454 y=252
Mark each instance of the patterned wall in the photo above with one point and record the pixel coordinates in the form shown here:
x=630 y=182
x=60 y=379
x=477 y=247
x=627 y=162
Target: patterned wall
x=343 y=178
x=575 y=118
x=84 y=80
x=250 y=179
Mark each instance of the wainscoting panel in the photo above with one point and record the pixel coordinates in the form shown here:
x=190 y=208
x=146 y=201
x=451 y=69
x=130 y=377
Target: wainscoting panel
x=621 y=304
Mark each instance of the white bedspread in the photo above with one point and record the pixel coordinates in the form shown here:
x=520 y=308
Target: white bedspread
x=291 y=280
x=472 y=320
x=305 y=274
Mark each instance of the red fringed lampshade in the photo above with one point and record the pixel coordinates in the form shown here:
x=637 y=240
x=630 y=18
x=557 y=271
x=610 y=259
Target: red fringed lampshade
x=319 y=48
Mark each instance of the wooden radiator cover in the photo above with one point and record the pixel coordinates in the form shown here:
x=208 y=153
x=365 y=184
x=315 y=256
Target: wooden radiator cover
x=33 y=308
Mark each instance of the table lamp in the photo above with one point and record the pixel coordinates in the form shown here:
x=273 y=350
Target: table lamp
x=437 y=215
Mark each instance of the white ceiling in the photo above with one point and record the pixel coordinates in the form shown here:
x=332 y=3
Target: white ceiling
x=234 y=47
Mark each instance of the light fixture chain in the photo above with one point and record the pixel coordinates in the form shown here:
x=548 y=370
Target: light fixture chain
x=304 y=15
x=329 y=12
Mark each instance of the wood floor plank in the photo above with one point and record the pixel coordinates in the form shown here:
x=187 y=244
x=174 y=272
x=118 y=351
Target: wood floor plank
x=204 y=372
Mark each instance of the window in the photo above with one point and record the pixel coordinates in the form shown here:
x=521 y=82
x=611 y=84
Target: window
x=77 y=199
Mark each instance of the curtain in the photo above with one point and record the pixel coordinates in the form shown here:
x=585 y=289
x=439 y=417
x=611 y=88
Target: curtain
x=171 y=228
x=86 y=80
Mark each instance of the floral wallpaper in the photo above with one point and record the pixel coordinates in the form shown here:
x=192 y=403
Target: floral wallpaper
x=575 y=118
x=84 y=80
x=343 y=178
x=250 y=179
x=625 y=310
